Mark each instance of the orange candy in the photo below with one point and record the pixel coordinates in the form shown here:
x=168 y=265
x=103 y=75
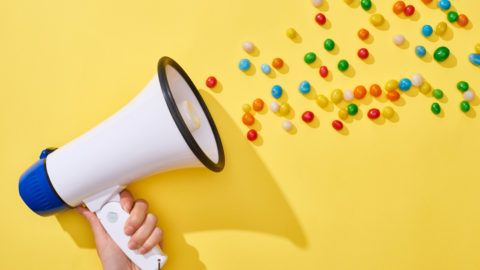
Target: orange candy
x=257 y=105
x=375 y=90
x=363 y=34
x=393 y=95
x=398 y=7
x=359 y=92
x=427 y=1
x=248 y=119
x=462 y=20
x=277 y=63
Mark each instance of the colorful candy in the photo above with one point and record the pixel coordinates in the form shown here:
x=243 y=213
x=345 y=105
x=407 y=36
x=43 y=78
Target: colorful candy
x=266 y=69
x=393 y=95
x=437 y=93
x=322 y=101
x=348 y=95
x=462 y=20
x=366 y=4
x=284 y=109
x=244 y=64
x=398 y=7
x=336 y=96
x=452 y=16
x=343 y=65
x=420 y=51
x=474 y=58
x=477 y=48
x=417 y=80
x=441 y=54
x=337 y=125
x=248 y=119
x=377 y=19
x=444 y=4
x=304 y=87
x=360 y=92
x=248 y=46
x=317 y=3
x=427 y=30
x=257 y=105
x=287 y=125
x=308 y=116
x=409 y=10
x=468 y=95
x=388 y=112
x=277 y=91
x=277 y=63
x=436 y=109
x=363 y=53
x=211 y=82
x=426 y=2
x=320 y=19
x=363 y=34
x=463 y=86
x=399 y=39
x=246 y=107
x=323 y=71
x=391 y=85
x=329 y=44
x=373 y=113
x=252 y=135
x=274 y=106
x=310 y=57
x=464 y=106
x=291 y=33
x=352 y=109
x=343 y=113
x=375 y=90
x=425 y=88
x=405 y=84
x=441 y=28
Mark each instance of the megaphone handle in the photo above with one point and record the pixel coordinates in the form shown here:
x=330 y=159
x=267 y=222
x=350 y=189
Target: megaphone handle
x=113 y=219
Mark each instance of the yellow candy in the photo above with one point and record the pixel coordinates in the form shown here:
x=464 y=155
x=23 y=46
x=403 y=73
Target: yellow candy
x=441 y=28
x=336 y=96
x=322 y=101
x=291 y=33
x=348 y=1
x=425 y=88
x=343 y=113
x=388 y=112
x=284 y=109
x=477 y=48
x=376 y=19
x=246 y=107
x=391 y=85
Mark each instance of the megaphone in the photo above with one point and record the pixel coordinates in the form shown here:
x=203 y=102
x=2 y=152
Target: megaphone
x=166 y=126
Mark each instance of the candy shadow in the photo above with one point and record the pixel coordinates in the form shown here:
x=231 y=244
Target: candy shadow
x=327 y=25
x=258 y=141
x=284 y=69
x=350 y=72
x=329 y=107
x=384 y=27
x=413 y=92
x=400 y=102
x=316 y=64
x=395 y=118
x=255 y=52
x=370 y=39
x=272 y=74
x=344 y=132
x=379 y=121
x=444 y=99
x=251 y=71
x=257 y=125
x=335 y=51
x=297 y=39
x=217 y=89
x=370 y=59
x=427 y=58
x=324 y=7
x=312 y=94
x=448 y=35
x=372 y=9
x=415 y=17
x=471 y=113
x=441 y=114
x=293 y=130
x=291 y=113
x=432 y=38
x=283 y=98
x=451 y=61
x=354 y=4
x=315 y=122
x=366 y=100
x=405 y=45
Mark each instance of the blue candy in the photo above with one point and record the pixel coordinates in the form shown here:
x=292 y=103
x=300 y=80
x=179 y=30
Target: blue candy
x=405 y=84
x=277 y=91
x=244 y=64
x=420 y=51
x=444 y=4
x=427 y=30
x=266 y=68
x=474 y=58
x=304 y=87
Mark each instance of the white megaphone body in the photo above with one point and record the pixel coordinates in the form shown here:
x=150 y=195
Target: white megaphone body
x=166 y=126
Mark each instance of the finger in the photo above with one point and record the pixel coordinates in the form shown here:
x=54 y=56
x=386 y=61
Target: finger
x=155 y=238
x=141 y=235
x=137 y=216
x=126 y=200
x=97 y=228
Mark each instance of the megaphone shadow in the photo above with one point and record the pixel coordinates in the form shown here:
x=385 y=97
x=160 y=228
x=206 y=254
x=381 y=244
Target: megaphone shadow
x=244 y=196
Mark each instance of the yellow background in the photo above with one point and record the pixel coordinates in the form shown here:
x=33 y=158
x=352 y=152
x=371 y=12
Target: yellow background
x=401 y=194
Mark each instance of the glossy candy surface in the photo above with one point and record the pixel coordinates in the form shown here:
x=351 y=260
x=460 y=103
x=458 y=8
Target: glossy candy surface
x=277 y=63
x=277 y=91
x=244 y=64
x=391 y=85
x=441 y=54
x=405 y=84
x=469 y=95
x=377 y=19
x=248 y=119
x=257 y=105
x=304 y=87
x=287 y=125
x=320 y=19
x=348 y=95
x=363 y=53
x=317 y=3
x=462 y=20
x=420 y=51
x=398 y=39
x=437 y=93
x=388 y=112
x=246 y=107
x=308 y=116
x=463 y=86
x=336 y=96
x=375 y=90
x=322 y=101
x=373 y=113
x=464 y=106
x=252 y=135
x=343 y=113
x=211 y=82
x=398 y=7
x=409 y=10
x=425 y=88
x=337 y=124
x=417 y=80
x=274 y=106
x=366 y=4
x=291 y=33
x=360 y=92
x=444 y=4
x=352 y=109
x=474 y=58
x=441 y=28
x=427 y=30
x=284 y=109
x=248 y=46
x=393 y=95
x=343 y=65
x=323 y=71
x=363 y=34
x=435 y=108
x=329 y=44
x=266 y=69
x=310 y=57
x=452 y=16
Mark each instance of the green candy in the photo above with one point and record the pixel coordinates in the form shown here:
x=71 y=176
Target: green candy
x=329 y=44
x=436 y=108
x=343 y=65
x=464 y=106
x=452 y=16
x=366 y=4
x=437 y=93
x=441 y=54
x=352 y=109
x=463 y=86
x=310 y=57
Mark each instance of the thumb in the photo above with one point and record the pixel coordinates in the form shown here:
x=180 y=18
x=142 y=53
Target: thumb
x=95 y=224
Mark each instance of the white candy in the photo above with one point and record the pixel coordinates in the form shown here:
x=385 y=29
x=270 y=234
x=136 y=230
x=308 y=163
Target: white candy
x=468 y=95
x=317 y=3
x=248 y=46
x=287 y=125
x=399 y=39
x=274 y=106
x=417 y=80
x=348 y=95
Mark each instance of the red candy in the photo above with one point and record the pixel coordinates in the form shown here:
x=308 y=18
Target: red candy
x=373 y=113
x=308 y=116
x=363 y=53
x=252 y=135
x=320 y=19
x=323 y=71
x=409 y=10
x=211 y=82
x=337 y=125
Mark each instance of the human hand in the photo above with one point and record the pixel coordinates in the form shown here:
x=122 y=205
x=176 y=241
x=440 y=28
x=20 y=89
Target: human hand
x=141 y=226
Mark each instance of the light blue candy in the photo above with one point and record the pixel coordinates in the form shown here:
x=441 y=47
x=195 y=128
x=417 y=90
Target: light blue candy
x=304 y=87
x=420 y=51
x=444 y=4
x=244 y=64
x=266 y=68
x=474 y=58
x=405 y=84
x=427 y=30
x=277 y=91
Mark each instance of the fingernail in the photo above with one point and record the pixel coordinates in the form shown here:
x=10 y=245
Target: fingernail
x=126 y=206
x=129 y=230
x=142 y=250
x=132 y=245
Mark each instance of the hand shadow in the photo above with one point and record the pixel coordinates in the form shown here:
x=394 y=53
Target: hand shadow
x=244 y=196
